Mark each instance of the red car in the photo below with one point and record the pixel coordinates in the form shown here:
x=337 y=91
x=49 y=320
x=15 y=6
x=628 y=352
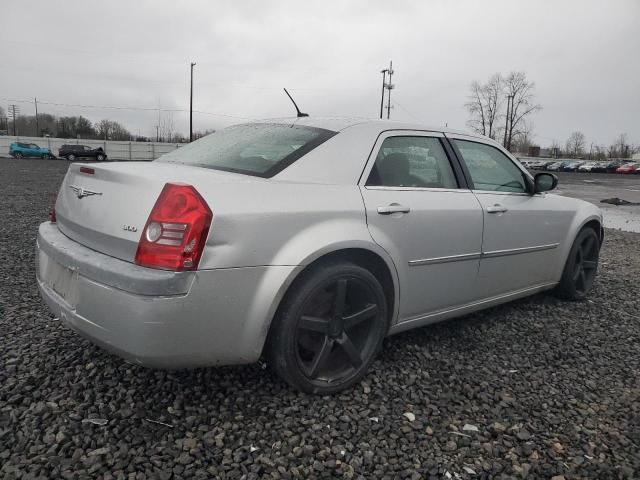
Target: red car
x=627 y=168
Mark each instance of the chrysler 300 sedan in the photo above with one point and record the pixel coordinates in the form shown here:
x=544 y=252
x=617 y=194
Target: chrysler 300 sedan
x=306 y=241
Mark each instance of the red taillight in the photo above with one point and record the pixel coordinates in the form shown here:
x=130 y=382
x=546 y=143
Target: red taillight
x=52 y=215
x=87 y=170
x=176 y=231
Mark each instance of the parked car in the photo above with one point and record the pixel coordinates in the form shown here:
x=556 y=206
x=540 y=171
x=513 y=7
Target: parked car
x=19 y=150
x=614 y=165
x=600 y=167
x=554 y=166
x=628 y=168
x=267 y=237
x=71 y=152
x=543 y=164
x=570 y=166
x=587 y=167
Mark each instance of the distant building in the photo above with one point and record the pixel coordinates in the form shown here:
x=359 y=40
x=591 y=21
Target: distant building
x=533 y=151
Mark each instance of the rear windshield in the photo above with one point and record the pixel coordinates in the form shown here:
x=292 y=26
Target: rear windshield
x=259 y=149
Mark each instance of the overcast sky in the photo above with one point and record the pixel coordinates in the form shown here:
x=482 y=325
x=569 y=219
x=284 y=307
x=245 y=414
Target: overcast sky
x=584 y=57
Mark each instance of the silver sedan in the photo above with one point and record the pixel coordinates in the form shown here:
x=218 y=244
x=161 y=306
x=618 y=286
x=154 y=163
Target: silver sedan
x=306 y=241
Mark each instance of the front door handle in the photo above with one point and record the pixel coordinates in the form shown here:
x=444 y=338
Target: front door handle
x=393 y=208
x=497 y=208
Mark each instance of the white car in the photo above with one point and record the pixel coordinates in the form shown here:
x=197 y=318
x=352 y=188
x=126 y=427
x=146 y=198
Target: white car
x=306 y=240
x=587 y=167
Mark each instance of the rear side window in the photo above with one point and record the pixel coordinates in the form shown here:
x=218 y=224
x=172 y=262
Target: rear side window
x=490 y=169
x=407 y=161
x=258 y=149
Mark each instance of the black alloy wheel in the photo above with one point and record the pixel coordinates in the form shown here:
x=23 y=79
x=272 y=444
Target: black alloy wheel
x=331 y=327
x=581 y=267
x=585 y=264
x=71 y=157
x=18 y=155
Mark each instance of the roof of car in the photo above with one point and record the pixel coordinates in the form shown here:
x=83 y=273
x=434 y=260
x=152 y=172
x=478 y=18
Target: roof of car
x=340 y=123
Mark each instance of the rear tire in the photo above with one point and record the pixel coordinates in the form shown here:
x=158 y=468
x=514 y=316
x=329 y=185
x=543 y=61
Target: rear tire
x=329 y=328
x=581 y=266
x=71 y=157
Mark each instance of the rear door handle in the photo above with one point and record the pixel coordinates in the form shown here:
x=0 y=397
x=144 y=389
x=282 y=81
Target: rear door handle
x=393 y=208
x=497 y=208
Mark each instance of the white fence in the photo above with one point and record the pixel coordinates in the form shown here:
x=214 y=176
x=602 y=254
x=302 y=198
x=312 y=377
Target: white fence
x=115 y=150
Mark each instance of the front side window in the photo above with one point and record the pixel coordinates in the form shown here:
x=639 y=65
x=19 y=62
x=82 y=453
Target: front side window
x=490 y=169
x=412 y=162
x=259 y=149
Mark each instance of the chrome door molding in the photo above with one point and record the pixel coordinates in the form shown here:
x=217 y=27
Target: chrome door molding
x=447 y=259
x=476 y=256
x=517 y=251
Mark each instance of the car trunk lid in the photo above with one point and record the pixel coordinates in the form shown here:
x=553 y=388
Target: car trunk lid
x=105 y=207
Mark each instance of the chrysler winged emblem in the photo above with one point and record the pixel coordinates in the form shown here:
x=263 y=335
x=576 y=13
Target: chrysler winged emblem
x=82 y=192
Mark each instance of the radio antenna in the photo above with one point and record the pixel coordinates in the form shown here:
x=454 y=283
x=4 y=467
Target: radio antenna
x=300 y=114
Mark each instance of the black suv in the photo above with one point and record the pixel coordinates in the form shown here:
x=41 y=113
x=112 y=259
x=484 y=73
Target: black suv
x=71 y=152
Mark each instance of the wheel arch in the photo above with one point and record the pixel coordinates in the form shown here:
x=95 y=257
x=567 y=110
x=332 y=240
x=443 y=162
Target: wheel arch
x=363 y=254
x=592 y=219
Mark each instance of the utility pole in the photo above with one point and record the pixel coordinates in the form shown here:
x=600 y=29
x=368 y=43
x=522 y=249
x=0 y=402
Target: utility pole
x=35 y=101
x=191 y=106
x=506 y=125
x=384 y=77
x=14 y=110
x=389 y=86
x=157 y=133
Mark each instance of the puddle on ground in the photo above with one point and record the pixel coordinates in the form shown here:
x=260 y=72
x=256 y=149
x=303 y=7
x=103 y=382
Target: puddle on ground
x=622 y=218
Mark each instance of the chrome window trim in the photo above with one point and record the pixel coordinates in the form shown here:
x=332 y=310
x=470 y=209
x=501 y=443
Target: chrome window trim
x=419 y=189
x=483 y=255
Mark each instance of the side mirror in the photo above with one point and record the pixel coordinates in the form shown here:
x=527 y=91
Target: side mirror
x=543 y=182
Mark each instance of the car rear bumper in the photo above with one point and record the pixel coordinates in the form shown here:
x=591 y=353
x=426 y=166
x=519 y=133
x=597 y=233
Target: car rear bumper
x=159 y=318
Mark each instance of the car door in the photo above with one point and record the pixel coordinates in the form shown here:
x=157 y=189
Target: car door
x=522 y=231
x=419 y=210
x=33 y=150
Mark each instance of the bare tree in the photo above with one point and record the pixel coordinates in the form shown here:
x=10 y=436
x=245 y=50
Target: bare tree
x=476 y=107
x=620 y=147
x=166 y=126
x=111 y=130
x=575 y=144
x=523 y=103
x=484 y=106
x=556 y=149
x=523 y=139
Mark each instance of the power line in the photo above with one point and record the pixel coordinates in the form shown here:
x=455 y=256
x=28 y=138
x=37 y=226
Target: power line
x=114 y=107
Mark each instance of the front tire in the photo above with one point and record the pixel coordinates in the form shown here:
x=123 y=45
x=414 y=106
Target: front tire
x=100 y=158
x=329 y=328
x=17 y=155
x=581 y=267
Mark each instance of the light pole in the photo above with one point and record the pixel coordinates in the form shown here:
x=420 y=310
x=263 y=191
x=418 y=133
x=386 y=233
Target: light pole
x=191 y=106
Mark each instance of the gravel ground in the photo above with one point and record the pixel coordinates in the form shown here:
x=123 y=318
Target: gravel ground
x=545 y=388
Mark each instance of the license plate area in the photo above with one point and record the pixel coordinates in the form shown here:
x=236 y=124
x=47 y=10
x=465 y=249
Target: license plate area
x=62 y=280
